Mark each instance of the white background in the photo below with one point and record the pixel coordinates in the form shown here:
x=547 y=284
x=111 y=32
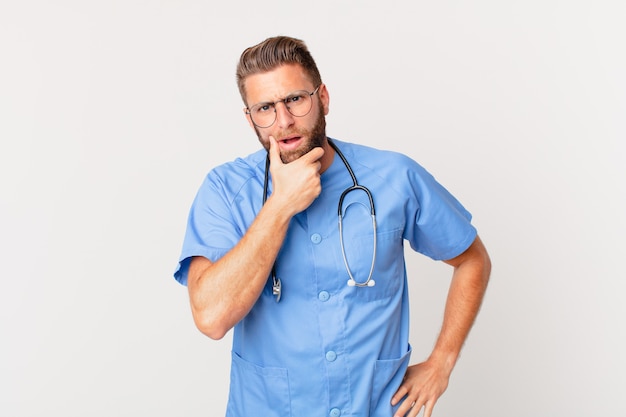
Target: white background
x=112 y=112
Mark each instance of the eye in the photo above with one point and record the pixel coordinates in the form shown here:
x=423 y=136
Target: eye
x=295 y=98
x=262 y=108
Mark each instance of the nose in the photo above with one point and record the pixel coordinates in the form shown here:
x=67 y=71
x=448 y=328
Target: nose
x=284 y=119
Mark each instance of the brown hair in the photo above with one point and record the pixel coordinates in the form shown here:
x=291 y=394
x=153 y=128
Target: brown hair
x=271 y=54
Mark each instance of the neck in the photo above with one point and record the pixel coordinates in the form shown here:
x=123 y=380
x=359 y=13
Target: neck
x=328 y=157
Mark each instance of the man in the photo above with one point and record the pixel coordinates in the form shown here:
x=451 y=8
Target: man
x=320 y=312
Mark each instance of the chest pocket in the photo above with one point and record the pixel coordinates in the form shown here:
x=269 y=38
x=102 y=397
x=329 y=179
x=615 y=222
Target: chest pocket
x=359 y=246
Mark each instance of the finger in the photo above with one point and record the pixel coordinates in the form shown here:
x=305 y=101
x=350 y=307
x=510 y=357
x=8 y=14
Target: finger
x=313 y=155
x=414 y=408
x=408 y=408
x=428 y=408
x=402 y=391
x=274 y=151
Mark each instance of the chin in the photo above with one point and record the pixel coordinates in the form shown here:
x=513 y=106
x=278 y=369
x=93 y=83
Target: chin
x=291 y=156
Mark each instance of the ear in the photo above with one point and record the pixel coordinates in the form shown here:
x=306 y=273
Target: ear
x=324 y=98
x=245 y=111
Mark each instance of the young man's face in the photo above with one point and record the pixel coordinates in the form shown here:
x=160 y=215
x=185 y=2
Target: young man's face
x=295 y=135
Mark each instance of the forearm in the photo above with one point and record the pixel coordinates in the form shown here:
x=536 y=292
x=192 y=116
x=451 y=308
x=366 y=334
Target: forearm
x=467 y=289
x=222 y=293
x=425 y=382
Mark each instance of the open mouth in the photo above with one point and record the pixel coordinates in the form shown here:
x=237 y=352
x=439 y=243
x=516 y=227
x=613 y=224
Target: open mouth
x=290 y=139
x=290 y=142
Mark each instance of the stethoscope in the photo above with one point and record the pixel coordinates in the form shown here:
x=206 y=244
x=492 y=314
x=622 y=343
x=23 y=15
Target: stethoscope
x=352 y=282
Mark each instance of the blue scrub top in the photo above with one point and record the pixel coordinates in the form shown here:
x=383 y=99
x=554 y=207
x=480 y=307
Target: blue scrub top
x=327 y=349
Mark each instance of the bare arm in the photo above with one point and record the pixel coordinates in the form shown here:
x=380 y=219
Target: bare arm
x=424 y=383
x=222 y=293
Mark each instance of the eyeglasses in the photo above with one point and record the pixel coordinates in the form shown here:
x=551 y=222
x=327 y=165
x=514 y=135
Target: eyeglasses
x=298 y=103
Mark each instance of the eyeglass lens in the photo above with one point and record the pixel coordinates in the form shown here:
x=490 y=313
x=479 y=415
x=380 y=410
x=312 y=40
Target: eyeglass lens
x=299 y=104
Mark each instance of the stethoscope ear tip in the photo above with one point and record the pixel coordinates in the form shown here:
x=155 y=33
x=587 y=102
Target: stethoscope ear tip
x=351 y=283
x=371 y=283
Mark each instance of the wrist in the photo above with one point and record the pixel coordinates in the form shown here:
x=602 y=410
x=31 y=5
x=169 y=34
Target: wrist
x=280 y=212
x=444 y=359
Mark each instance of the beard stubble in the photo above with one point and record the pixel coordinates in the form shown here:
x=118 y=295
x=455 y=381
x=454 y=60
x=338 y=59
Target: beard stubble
x=316 y=138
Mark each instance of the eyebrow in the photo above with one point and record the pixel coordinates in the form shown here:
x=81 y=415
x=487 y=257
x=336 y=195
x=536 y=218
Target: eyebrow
x=279 y=100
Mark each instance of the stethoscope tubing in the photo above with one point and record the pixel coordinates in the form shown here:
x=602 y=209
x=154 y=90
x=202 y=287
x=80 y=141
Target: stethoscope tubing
x=352 y=282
